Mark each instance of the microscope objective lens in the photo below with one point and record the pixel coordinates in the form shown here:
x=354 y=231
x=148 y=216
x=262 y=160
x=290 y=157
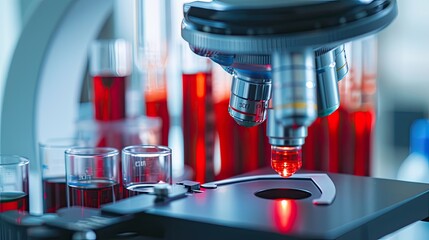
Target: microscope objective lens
x=286 y=160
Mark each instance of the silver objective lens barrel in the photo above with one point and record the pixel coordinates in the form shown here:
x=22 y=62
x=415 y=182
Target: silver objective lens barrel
x=249 y=99
x=279 y=135
x=341 y=65
x=294 y=88
x=328 y=97
x=294 y=105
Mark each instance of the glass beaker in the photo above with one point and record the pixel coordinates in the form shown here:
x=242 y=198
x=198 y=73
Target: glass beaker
x=143 y=166
x=92 y=176
x=54 y=172
x=13 y=183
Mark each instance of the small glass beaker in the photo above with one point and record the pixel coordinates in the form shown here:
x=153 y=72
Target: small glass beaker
x=13 y=183
x=92 y=176
x=144 y=166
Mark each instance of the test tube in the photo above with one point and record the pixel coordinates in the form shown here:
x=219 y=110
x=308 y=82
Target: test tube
x=54 y=172
x=13 y=183
x=152 y=38
x=110 y=65
x=198 y=114
x=144 y=166
x=92 y=176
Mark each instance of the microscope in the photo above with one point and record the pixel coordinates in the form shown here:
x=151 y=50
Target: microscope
x=286 y=58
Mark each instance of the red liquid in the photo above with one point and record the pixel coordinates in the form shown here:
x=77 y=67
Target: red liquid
x=54 y=194
x=225 y=127
x=111 y=139
x=346 y=142
x=311 y=147
x=13 y=201
x=109 y=98
x=198 y=124
x=156 y=106
x=241 y=149
x=286 y=160
x=333 y=123
x=363 y=124
x=95 y=195
x=248 y=142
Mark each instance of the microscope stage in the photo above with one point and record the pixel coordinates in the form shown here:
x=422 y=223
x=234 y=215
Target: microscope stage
x=363 y=208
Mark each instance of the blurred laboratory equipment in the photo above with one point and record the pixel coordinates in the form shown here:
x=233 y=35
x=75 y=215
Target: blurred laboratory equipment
x=54 y=172
x=358 y=106
x=415 y=167
x=14 y=189
x=92 y=176
x=151 y=58
x=110 y=68
x=144 y=166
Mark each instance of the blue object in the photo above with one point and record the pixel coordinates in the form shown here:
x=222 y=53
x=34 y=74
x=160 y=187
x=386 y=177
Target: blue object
x=419 y=137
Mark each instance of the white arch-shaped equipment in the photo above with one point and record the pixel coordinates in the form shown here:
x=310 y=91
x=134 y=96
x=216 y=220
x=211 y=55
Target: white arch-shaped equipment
x=43 y=85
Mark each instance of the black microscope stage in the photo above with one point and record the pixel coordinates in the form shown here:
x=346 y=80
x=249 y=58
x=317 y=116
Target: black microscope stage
x=363 y=208
x=255 y=206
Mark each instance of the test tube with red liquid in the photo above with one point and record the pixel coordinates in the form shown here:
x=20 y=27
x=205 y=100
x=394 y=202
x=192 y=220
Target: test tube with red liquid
x=225 y=124
x=110 y=65
x=364 y=118
x=14 y=192
x=198 y=115
x=151 y=59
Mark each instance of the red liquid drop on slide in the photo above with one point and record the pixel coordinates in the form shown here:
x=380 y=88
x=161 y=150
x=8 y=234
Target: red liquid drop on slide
x=286 y=160
x=54 y=194
x=13 y=201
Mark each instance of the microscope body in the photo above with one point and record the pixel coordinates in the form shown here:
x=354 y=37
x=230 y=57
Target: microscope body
x=285 y=57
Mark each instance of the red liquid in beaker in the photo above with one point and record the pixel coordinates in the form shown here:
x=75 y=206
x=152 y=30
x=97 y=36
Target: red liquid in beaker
x=286 y=160
x=94 y=196
x=13 y=201
x=54 y=194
